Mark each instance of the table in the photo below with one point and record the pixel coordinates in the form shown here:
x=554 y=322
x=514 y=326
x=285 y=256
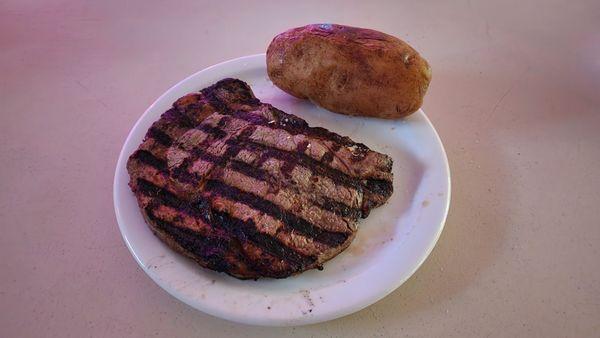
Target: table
x=515 y=98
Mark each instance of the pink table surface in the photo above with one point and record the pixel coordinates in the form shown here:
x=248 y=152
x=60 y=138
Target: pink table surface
x=515 y=98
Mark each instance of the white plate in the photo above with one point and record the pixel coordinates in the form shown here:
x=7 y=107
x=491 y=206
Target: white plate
x=390 y=245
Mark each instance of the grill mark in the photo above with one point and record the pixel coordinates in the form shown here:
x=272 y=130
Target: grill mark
x=287 y=122
x=198 y=153
x=291 y=159
x=183 y=235
x=178 y=173
x=251 y=117
x=247 y=230
x=168 y=198
x=292 y=125
x=302 y=146
x=339 y=208
x=251 y=265
x=380 y=187
x=148 y=158
x=212 y=98
x=212 y=250
x=233 y=150
x=179 y=118
x=323 y=202
x=215 y=132
x=288 y=166
x=295 y=126
x=243 y=136
x=238 y=89
x=248 y=170
x=223 y=121
x=243 y=230
x=315 y=166
x=261 y=160
x=181 y=173
x=301 y=225
x=377 y=186
x=159 y=136
x=360 y=150
x=192 y=109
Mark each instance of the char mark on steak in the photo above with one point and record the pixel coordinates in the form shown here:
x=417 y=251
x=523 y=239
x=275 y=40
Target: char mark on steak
x=244 y=188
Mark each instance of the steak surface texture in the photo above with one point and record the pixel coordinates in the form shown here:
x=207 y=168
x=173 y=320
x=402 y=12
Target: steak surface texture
x=243 y=188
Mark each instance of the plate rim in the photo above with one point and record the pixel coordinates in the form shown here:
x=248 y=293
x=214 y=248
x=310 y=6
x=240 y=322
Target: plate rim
x=303 y=320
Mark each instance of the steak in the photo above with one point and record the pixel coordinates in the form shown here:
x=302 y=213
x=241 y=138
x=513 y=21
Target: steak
x=243 y=188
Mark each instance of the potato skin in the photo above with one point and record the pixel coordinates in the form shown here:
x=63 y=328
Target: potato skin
x=349 y=70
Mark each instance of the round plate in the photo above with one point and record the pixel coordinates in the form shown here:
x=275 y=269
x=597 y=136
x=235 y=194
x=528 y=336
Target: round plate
x=389 y=247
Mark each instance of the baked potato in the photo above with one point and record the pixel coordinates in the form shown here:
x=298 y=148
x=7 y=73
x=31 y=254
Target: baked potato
x=349 y=70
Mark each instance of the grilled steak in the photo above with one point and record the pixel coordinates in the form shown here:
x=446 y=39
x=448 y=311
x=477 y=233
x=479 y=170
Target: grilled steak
x=244 y=188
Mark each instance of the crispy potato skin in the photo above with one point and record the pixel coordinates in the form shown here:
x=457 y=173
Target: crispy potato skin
x=349 y=70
